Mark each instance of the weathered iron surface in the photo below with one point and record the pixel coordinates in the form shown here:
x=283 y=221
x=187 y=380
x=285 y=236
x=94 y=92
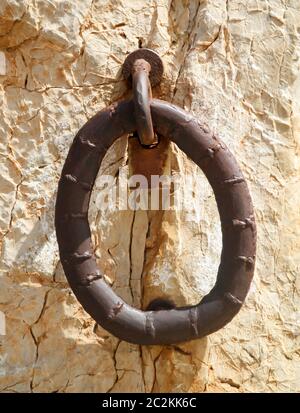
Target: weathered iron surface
x=74 y=238
x=144 y=68
x=149 y=56
x=141 y=96
x=145 y=161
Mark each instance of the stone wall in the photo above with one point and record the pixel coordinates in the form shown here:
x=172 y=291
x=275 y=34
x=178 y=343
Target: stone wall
x=234 y=64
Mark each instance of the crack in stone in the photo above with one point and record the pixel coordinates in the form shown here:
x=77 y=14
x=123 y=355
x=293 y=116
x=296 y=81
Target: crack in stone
x=36 y=358
x=115 y=367
x=130 y=256
x=230 y=382
x=75 y=87
x=12 y=208
x=155 y=369
x=181 y=351
x=9 y=387
x=83 y=44
x=36 y=340
x=142 y=367
x=205 y=48
x=188 y=44
x=16 y=47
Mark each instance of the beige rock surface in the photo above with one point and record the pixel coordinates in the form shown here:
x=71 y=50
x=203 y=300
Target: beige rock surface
x=235 y=65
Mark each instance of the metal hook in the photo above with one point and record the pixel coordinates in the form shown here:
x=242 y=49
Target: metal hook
x=145 y=68
x=141 y=96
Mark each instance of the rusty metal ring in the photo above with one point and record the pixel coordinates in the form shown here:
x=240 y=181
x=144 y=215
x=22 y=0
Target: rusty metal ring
x=74 y=238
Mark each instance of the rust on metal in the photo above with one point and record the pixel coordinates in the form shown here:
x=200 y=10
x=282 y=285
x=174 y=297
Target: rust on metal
x=149 y=56
x=148 y=162
x=157 y=325
x=144 y=68
x=141 y=96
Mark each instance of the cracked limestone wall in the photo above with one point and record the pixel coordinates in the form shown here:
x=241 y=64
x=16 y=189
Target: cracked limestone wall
x=234 y=64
